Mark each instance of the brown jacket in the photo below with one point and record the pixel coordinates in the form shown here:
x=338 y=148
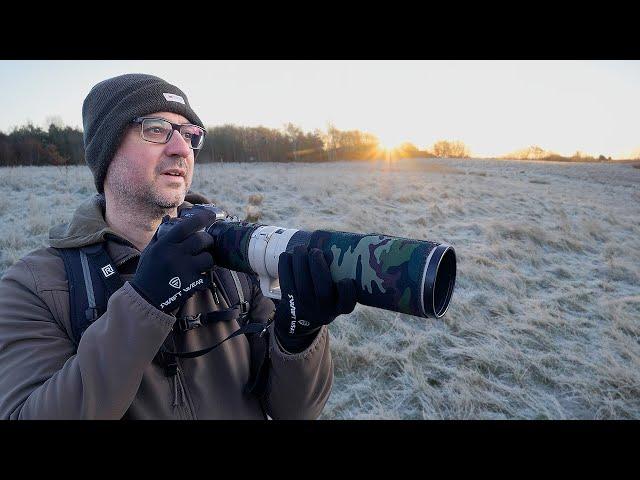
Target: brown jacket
x=112 y=374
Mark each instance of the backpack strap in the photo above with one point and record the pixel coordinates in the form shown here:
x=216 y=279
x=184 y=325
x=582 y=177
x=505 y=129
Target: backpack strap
x=239 y=295
x=91 y=312
x=77 y=292
x=258 y=339
x=242 y=303
x=238 y=310
x=92 y=280
x=250 y=328
x=101 y=266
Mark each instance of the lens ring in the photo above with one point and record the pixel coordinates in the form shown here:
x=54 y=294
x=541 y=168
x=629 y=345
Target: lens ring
x=436 y=289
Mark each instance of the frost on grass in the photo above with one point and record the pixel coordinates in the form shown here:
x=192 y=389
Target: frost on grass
x=545 y=319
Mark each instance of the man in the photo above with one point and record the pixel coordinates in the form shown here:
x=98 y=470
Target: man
x=141 y=138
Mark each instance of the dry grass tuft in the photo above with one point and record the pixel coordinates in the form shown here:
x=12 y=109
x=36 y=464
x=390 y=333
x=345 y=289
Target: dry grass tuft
x=256 y=199
x=252 y=213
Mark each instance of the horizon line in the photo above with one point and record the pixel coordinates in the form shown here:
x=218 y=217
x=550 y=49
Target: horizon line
x=634 y=154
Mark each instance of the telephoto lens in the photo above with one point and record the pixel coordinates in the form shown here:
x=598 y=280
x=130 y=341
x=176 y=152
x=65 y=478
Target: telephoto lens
x=415 y=277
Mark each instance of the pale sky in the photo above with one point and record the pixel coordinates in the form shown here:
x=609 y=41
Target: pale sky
x=495 y=107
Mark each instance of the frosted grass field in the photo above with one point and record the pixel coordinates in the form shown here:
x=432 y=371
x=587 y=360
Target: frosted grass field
x=545 y=318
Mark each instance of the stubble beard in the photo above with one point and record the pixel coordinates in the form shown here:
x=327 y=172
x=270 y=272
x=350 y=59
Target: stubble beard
x=165 y=200
x=146 y=197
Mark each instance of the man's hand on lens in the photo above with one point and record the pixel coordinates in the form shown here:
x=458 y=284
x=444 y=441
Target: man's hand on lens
x=310 y=298
x=176 y=265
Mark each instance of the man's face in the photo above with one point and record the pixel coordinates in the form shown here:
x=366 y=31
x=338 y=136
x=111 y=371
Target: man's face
x=158 y=175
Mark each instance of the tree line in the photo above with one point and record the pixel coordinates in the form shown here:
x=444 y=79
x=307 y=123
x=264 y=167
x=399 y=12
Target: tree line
x=29 y=145
x=535 y=152
x=63 y=145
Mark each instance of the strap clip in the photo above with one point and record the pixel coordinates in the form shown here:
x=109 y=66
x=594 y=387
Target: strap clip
x=189 y=322
x=91 y=314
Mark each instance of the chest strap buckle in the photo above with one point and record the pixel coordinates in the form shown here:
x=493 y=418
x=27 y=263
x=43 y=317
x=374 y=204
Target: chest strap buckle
x=189 y=322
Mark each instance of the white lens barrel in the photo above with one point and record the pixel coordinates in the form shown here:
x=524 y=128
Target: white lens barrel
x=265 y=246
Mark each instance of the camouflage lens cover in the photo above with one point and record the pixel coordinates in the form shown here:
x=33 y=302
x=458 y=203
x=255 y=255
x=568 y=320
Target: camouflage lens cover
x=388 y=270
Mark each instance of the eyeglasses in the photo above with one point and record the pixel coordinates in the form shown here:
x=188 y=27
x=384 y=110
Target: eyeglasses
x=159 y=130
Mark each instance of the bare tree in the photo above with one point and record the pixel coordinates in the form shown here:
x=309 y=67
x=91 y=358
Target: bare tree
x=450 y=149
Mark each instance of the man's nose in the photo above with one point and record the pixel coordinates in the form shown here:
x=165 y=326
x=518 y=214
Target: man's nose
x=177 y=145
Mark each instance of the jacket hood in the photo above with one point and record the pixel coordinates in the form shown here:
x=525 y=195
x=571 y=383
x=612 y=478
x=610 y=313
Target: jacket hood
x=88 y=226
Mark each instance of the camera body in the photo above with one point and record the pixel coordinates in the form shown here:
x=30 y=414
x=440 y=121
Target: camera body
x=168 y=223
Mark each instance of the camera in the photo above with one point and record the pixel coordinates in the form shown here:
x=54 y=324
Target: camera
x=415 y=277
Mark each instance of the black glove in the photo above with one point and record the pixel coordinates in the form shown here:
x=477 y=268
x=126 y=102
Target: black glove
x=175 y=265
x=310 y=298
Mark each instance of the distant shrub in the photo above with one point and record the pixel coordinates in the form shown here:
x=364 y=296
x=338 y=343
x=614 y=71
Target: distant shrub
x=535 y=152
x=450 y=149
x=252 y=213
x=256 y=199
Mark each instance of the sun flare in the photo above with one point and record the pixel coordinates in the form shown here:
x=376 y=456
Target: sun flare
x=388 y=143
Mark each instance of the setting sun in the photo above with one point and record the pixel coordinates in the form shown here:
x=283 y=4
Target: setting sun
x=388 y=142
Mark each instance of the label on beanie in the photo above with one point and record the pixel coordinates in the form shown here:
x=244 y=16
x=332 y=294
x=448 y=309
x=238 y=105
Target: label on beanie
x=173 y=98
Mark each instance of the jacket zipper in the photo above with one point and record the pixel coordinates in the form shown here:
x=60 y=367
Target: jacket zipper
x=180 y=389
x=126 y=259
x=177 y=394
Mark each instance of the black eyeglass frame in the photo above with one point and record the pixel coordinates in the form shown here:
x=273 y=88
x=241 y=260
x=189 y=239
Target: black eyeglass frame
x=174 y=127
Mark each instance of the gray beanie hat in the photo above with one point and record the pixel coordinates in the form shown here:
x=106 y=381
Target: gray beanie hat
x=112 y=104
